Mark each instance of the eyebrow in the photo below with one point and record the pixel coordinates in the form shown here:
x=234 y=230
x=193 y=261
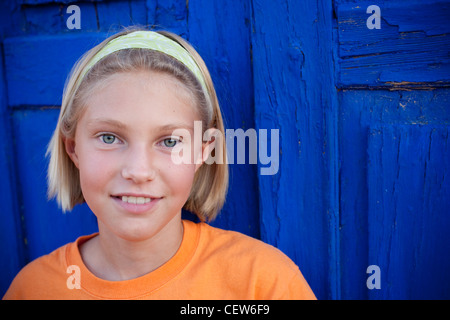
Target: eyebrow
x=120 y=125
x=173 y=126
x=109 y=122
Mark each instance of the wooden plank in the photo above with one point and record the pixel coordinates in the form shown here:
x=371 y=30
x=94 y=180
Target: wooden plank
x=37 y=2
x=46 y=226
x=410 y=50
x=359 y=110
x=294 y=92
x=37 y=67
x=138 y=12
x=226 y=52
x=51 y=18
x=12 y=248
x=113 y=15
x=171 y=16
x=355 y=109
x=409 y=217
x=12 y=19
x=45 y=19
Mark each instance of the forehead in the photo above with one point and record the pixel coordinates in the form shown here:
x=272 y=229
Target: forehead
x=141 y=81
x=142 y=97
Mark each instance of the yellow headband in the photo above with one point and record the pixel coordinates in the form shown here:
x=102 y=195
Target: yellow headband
x=148 y=40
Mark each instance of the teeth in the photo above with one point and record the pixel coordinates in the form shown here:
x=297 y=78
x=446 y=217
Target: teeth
x=135 y=200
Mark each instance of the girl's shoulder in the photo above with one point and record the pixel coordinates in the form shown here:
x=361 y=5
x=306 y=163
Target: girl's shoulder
x=33 y=280
x=264 y=270
x=238 y=246
x=46 y=276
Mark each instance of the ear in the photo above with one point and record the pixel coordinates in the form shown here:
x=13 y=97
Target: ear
x=71 y=151
x=208 y=145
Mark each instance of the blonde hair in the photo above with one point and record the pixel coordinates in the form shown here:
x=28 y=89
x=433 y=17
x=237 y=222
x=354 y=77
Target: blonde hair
x=211 y=180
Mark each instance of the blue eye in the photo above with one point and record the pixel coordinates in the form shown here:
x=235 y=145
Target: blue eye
x=108 y=138
x=170 y=142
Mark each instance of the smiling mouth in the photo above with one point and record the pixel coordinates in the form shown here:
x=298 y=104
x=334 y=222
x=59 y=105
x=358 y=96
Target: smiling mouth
x=134 y=199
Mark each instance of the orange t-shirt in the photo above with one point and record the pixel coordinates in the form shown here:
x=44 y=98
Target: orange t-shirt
x=210 y=264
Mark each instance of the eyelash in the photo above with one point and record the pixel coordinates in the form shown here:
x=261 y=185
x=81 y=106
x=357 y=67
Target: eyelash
x=177 y=140
x=103 y=135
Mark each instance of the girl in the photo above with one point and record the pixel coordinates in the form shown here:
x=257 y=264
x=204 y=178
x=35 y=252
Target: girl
x=129 y=104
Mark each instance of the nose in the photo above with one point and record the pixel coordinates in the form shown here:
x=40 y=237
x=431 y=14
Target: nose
x=138 y=166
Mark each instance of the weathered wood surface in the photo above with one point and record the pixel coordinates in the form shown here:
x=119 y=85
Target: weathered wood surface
x=409 y=50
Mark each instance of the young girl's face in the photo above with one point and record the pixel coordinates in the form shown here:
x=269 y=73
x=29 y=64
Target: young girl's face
x=122 y=148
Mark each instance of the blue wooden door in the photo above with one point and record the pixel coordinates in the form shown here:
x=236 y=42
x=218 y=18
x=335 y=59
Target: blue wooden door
x=359 y=92
x=394 y=114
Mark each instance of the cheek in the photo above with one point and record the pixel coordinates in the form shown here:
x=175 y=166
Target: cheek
x=95 y=172
x=180 y=178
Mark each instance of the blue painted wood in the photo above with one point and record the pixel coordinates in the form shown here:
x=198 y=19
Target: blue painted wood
x=11 y=18
x=293 y=91
x=46 y=228
x=171 y=15
x=12 y=249
x=409 y=210
x=50 y=17
x=49 y=58
x=410 y=49
x=231 y=70
x=41 y=2
x=361 y=110
x=112 y=15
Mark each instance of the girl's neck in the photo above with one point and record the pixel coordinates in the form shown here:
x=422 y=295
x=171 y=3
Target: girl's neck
x=110 y=257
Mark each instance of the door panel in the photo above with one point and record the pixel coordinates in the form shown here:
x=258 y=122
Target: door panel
x=46 y=227
x=393 y=130
x=408 y=207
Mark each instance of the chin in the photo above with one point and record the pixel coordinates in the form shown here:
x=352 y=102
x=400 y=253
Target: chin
x=136 y=234
x=141 y=230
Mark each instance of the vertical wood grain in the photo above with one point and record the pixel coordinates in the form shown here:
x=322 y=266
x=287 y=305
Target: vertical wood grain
x=220 y=31
x=409 y=217
x=47 y=228
x=360 y=112
x=293 y=77
x=12 y=247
